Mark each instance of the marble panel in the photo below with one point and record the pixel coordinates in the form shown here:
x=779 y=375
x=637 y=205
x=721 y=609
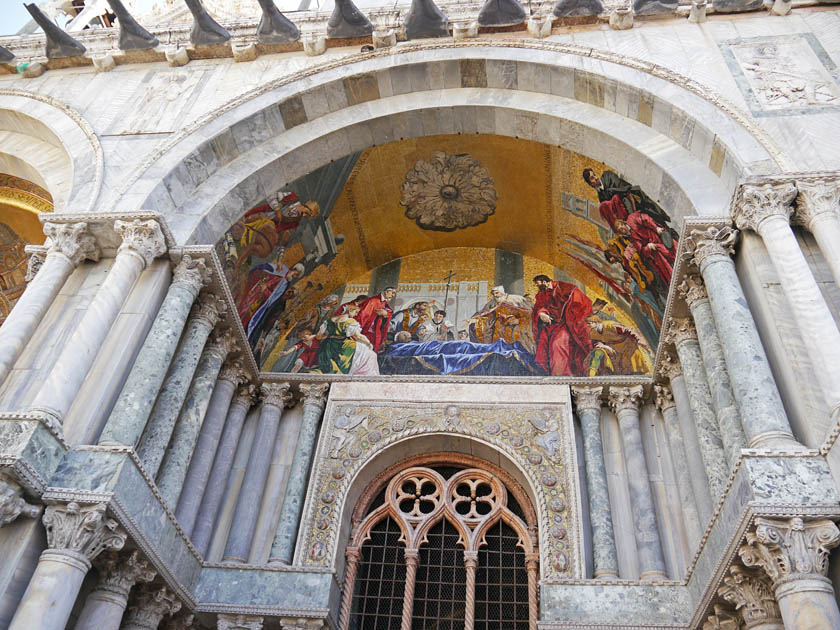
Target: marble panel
x=615 y=604
x=293 y=112
x=26 y=446
x=296 y=590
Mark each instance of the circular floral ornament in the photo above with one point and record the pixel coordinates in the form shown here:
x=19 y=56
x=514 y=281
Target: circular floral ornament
x=448 y=192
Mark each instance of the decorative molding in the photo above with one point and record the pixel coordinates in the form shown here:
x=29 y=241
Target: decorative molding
x=143 y=238
x=755 y=203
x=276 y=394
x=12 y=503
x=314 y=394
x=752 y=595
x=192 y=273
x=817 y=199
x=692 y=289
x=84 y=530
x=588 y=397
x=72 y=240
x=118 y=573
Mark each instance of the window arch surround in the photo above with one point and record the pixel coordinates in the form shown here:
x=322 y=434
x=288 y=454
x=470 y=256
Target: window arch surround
x=418 y=498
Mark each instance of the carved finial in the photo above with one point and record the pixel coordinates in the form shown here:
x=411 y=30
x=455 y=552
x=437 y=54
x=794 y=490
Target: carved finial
x=789 y=547
x=144 y=238
x=192 y=273
x=817 y=199
x=752 y=595
x=664 y=397
x=71 y=239
x=85 y=530
x=118 y=573
x=239 y=622
x=704 y=246
x=692 y=289
x=758 y=202
x=588 y=397
x=277 y=394
x=315 y=393
x=149 y=606
x=681 y=331
x=12 y=503
x=625 y=398
x=669 y=366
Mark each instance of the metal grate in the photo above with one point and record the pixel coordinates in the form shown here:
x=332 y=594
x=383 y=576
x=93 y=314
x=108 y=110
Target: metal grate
x=380 y=581
x=441 y=582
x=501 y=582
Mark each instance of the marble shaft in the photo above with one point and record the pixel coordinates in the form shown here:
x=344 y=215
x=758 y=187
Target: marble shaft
x=818 y=208
x=283 y=546
x=173 y=470
x=105 y=605
x=131 y=412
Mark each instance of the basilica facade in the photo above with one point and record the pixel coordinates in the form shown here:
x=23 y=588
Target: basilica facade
x=465 y=315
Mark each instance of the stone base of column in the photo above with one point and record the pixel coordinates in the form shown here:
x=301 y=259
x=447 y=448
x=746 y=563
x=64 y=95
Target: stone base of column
x=652 y=576
x=776 y=440
x=605 y=576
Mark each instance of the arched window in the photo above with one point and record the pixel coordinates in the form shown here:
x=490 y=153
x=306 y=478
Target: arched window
x=441 y=549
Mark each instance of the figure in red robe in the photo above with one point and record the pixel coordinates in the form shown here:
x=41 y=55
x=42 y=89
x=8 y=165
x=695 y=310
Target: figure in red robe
x=645 y=233
x=375 y=316
x=559 y=325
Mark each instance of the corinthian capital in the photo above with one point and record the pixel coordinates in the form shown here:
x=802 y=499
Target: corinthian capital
x=222 y=344
x=704 y=246
x=72 y=240
x=669 y=367
x=817 y=199
x=625 y=398
x=149 y=606
x=33 y=265
x=315 y=394
x=245 y=395
x=12 y=504
x=301 y=623
x=209 y=309
x=759 y=202
x=792 y=547
x=681 y=331
x=239 y=622
x=277 y=394
x=143 y=238
x=181 y=622
x=722 y=619
x=664 y=397
x=85 y=530
x=192 y=273
x=118 y=573
x=588 y=397
x=233 y=372
x=692 y=289
x=752 y=595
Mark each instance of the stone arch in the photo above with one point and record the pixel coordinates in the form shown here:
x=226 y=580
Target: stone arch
x=684 y=146
x=47 y=142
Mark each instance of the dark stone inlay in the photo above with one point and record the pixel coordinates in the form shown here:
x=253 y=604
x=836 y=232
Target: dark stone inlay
x=473 y=73
x=293 y=112
x=361 y=88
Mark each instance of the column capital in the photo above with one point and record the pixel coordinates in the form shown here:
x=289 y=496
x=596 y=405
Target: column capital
x=143 y=238
x=12 y=503
x=192 y=273
x=713 y=243
x=588 y=397
x=758 y=202
x=790 y=548
x=118 y=573
x=221 y=344
x=681 y=331
x=276 y=394
x=150 y=605
x=239 y=622
x=34 y=263
x=664 y=397
x=692 y=289
x=181 y=622
x=817 y=198
x=722 y=619
x=625 y=398
x=669 y=367
x=233 y=372
x=73 y=240
x=752 y=595
x=209 y=309
x=83 y=530
x=315 y=394
x=300 y=623
x=246 y=395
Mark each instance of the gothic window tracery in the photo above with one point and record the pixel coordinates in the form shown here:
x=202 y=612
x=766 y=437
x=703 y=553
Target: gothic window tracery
x=442 y=548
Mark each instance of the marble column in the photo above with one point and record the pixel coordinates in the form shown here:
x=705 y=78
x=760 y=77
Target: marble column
x=148 y=608
x=763 y=416
x=691 y=517
x=672 y=370
x=231 y=376
x=68 y=245
x=625 y=403
x=693 y=292
x=173 y=470
x=131 y=412
x=314 y=399
x=105 y=605
x=75 y=536
x=766 y=209
x=142 y=242
x=12 y=503
x=818 y=210
x=751 y=593
x=275 y=396
x=171 y=398
x=684 y=337
x=215 y=486
x=605 y=557
x=239 y=622
x=793 y=553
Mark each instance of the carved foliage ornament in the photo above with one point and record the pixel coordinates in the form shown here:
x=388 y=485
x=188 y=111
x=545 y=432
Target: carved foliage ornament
x=723 y=619
x=817 y=199
x=315 y=393
x=692 y=289
x=625 y=398
x=12 y=504
x=33 y=265
x=86 y=530
x=239 y=622
x=752 y=595
x=790 y=547
x=669 y=366
x=209 y=309
x=150 y=605
x=277 y=394
x=117 y=573
x=245 y=395
x=233 y=372
x=664 y=397
x=144 y=238
x=759 y=202
x=702 y=246
x=192 y=273
x=588 y=397
x=222 y=344
x=71 y=239
x=681 y=331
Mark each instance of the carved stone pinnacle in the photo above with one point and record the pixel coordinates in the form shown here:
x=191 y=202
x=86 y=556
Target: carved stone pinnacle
x=625 y=398
x=588 y=397
x=144 y=238
x=817 y=199
x=118 y=573
x=84 y=530
x=277 y=394
x=72 y=240
x=705 y=246
x=759 y=202
x=192 y=273
x=315 y=393
x=12 y=503
x=692 y=289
